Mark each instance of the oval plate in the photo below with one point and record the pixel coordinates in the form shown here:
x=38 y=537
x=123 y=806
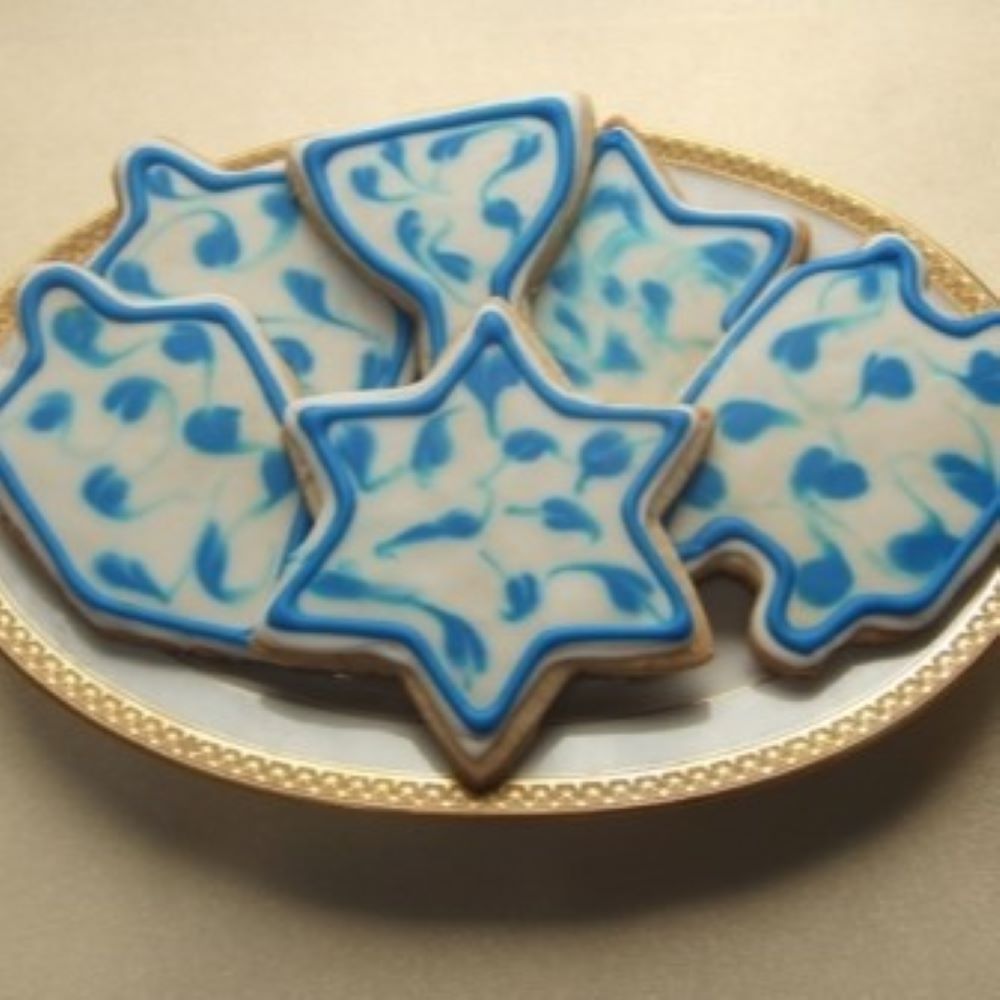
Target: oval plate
x=608 y=745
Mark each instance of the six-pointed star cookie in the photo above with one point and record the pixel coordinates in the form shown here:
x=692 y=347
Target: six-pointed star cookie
x=484 y=534
x=646 y=286
x=189 y=228
x=854 y=470
x=448 y=209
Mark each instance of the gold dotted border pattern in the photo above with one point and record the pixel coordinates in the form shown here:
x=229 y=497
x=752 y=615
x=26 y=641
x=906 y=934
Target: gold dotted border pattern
x=30 y=650
x=254 y=769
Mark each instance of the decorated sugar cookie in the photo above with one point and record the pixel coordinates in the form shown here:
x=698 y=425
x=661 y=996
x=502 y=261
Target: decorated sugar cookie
x=483 y=534
x=854 y=470
x=448 y=209
x=645 y=286
x=187 y=228
x=141 y=458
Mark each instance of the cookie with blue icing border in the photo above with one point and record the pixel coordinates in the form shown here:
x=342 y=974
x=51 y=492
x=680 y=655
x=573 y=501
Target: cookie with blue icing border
x=142 y=459
x=484 y=535
x=854 y=472
x=447 y=209
x=186 y=227
x=646 y=285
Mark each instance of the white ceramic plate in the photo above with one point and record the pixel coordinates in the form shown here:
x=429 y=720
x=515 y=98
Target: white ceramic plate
x=607 y=745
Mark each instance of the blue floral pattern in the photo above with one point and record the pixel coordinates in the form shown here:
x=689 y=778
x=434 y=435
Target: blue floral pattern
x=141 y=453
x=645 y=287
x=485 y=522
x=452 y=208
x=188 y=228
x=857 y=450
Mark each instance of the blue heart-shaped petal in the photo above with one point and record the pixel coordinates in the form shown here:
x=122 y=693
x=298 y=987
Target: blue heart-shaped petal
x=797 y=348
x=295 y=354
x=522 y=596
x=887 y=377
x=214 y=430
x=280 y=206
x=745 y=420
x=220 y=246
x=618 y=356
x=604 y=454
x=658 y=299
x=355 y=445
x=492 y=373
x=529 y=444
x=563 y=514
x=51 y=410
x=823 y=581
x=133 y=277
x=967 y=478
x=502 y=213
x=277 y=475
x=818 y=470
x=107 y=491
x=732 y=258
x=706 y=488
x=433 y=447
x=983 y=377
x=613 y=290
x=128 y=573
x=187 y=343
x=130 y=398
x=922 y=551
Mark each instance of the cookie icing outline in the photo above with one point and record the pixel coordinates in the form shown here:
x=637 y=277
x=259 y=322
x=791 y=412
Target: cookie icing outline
x=569 y=117
x=785 y=237
x=799 y=647
x=308 y=421
x=99 y=607
x=133 y=187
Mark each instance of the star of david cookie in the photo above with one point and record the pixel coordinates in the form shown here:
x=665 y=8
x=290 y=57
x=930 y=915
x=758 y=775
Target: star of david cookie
x=484 y=535
x=646 y=286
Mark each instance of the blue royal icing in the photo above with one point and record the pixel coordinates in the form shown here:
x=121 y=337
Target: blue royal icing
x=857 y=451
x=482 y=524
x=645 y=286
x=452 y=208
x=188 y=228
x=141 y=455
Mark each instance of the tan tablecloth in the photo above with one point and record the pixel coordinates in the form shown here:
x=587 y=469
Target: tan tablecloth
x=877 y=877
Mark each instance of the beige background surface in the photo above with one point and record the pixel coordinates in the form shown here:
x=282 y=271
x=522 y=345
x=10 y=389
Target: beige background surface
x=877 y=877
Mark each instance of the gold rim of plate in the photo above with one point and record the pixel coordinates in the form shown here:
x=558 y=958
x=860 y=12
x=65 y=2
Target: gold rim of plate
x=32 y=652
